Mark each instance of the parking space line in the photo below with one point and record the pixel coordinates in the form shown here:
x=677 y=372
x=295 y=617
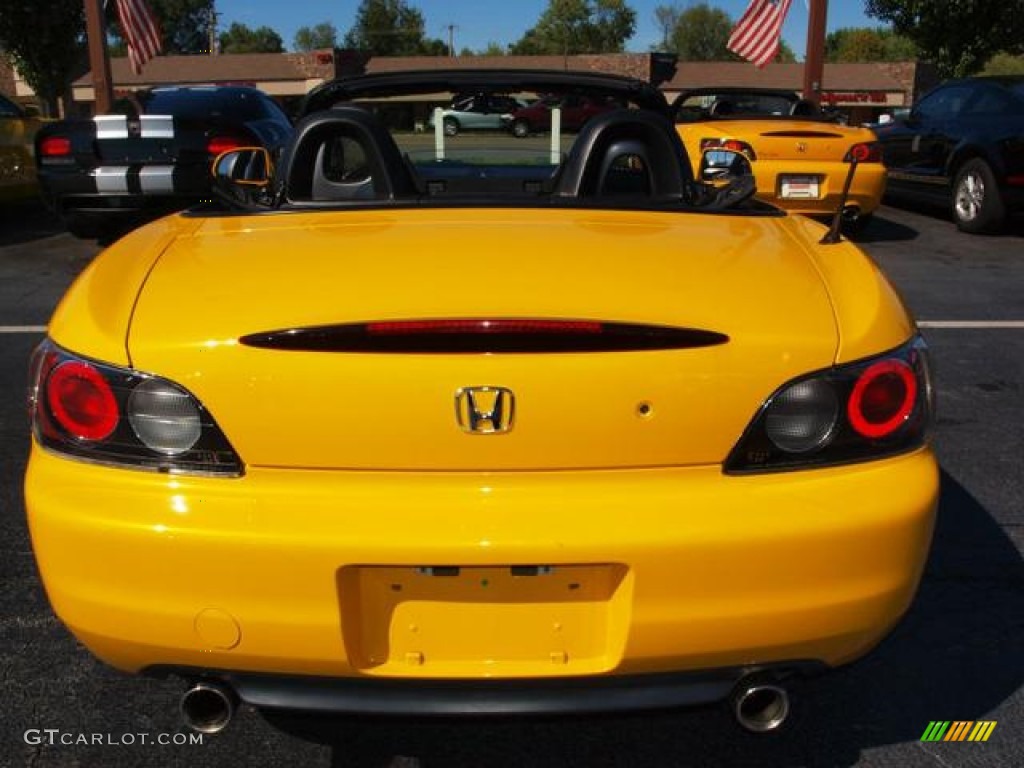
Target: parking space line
x=22 y=329
x=971 y=324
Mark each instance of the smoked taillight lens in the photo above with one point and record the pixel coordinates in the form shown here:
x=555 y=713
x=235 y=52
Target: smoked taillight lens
x=854 y=412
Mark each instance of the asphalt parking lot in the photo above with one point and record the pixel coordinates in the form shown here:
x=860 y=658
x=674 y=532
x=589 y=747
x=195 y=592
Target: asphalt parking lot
x=958 y=655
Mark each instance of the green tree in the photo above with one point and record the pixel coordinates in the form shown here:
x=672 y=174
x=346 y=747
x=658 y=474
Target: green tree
x=700 y=34
x=387 y=28
x=959 y=37
x=48 y=47
x=1004 y=64
x=240 y=38
x=666 y=17
x=579 y=26
x=323 y=35
x=868 y=44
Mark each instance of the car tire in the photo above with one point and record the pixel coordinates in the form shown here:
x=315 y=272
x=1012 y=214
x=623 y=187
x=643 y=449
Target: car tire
x=520 y=129
x=451 y=126
x=977 y=200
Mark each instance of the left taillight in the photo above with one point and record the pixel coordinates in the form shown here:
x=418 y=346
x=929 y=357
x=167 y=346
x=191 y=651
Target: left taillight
x=865 y=152
x=865 y=410
x=217 y=145
x=54 y=147
x=117 y=416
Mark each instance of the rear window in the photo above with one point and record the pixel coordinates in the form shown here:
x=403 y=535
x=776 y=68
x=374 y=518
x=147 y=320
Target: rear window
x=196 y=104
x=700 y=106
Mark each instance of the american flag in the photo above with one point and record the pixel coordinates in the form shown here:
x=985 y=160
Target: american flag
x=756 y=35
x=140 y=32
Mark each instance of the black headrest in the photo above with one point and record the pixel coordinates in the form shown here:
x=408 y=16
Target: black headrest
x=626 y=133
x=384 y=172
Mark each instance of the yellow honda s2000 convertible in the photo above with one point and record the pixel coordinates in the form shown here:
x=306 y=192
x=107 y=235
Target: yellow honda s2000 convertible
x=477 y=424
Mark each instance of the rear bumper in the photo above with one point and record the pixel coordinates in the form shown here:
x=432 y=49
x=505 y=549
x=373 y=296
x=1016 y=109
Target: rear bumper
x=865 y=195
x=361 y=696
x=118 y=189
x=321 y=574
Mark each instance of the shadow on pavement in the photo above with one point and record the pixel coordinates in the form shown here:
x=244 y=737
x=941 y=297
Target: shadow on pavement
x=882 y=229
x=955 y=656
x=26 y=221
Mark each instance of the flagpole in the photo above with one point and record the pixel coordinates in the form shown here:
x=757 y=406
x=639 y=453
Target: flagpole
x=814 y=60
x=99 y=61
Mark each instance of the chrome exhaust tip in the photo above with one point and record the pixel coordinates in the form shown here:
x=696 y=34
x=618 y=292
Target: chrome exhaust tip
x=208 y=707
x=760 y=707
x=851 y=213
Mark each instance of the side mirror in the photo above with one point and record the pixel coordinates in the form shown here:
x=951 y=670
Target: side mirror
x=243 y=176
x=724 y=165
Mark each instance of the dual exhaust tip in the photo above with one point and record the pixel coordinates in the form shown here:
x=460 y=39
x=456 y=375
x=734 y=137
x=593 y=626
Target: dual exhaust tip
x=759 y=707
x=208 y=707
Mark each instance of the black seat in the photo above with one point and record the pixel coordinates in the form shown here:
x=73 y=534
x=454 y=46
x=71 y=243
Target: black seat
x=803 y=108
x=722 y=107
x=344 y=154
x=625 y=152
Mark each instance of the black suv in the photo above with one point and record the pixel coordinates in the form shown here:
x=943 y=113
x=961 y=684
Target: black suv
x=962 y=145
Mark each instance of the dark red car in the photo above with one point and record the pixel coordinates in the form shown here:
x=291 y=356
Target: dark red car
x=576 y=110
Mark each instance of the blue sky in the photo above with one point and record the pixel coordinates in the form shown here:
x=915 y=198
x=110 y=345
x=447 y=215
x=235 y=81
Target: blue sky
x=478 y=22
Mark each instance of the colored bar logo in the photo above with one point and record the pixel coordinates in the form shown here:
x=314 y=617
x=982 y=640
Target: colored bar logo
x=960 y=730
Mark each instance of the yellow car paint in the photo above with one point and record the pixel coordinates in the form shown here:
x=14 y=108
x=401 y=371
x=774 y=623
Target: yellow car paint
x=706 y=569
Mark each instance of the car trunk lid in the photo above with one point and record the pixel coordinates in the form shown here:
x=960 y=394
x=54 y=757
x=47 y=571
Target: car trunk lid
x=744 y=305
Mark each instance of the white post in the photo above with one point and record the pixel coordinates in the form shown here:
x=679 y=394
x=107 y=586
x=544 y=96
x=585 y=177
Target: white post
x=556 y=135
x=438 y=134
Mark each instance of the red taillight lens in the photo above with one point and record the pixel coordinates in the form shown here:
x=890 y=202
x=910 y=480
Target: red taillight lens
x=81 y=401
x=55 y=146
x=218 y=144
x=869 y=152
x=882 y=398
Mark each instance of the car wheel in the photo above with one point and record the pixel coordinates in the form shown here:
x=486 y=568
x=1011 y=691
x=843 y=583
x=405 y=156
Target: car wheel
x=977 y=202
x=520 y=129
x=451 y=127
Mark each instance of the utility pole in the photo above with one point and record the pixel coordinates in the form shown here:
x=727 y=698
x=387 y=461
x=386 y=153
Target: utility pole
x=451 y=40
x=99 y=60
x=814 y=61
x=212 y=30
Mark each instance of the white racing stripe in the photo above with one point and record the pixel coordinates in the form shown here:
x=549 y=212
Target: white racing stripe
x=112 y=179
x=150 y=127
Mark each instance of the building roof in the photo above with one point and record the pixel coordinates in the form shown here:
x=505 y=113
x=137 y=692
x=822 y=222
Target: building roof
x=875 y=76
x=227 y=68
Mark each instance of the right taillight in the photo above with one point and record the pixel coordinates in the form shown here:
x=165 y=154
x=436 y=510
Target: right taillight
x=866 y=152
x=855 y=412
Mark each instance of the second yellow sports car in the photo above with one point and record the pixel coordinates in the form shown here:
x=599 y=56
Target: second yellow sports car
x=405 y=425
x=800 y=156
